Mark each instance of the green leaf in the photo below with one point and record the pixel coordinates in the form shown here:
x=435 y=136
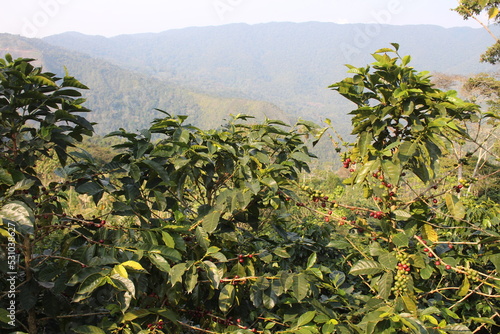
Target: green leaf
x=329 y=327
x=169 y=314
x=167 y=239
x=191 y=279
x=6 y=177
x=20 y=215
x=70 y=81
x=43 y=80
x=306 y=318
x=312 y=260
x=159 y=169
x=159 y=262
x=388 y=260
x=483 y=320
x=406 y=60
x=88 y=329
x=410 y=304
x=366 y=267
x=28 y=296
x=392 y=171
x=402 y=215
x=300 y=156
x=385 y=285
x=226 y=298
x=89 y=188
x=202 y=237
x=135 y=314
x=176 y=273
x=211 y=221
x=21 y=185
x=281 y=252
x=91 y=283
x=457 y=329
x=401 y=240
x=213 y=273
x=426 y=273
x=364 y=141
x=300 y=286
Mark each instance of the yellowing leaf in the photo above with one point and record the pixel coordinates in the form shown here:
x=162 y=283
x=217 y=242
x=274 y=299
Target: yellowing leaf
x=464 y=288
x=133 y=265
x=410 y=304
x=492 y=13
x=455 y=206
x=120 y=270
x=429 y=233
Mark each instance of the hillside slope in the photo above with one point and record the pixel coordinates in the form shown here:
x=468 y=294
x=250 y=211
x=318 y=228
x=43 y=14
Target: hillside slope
x=288 y=64
x=120 y=98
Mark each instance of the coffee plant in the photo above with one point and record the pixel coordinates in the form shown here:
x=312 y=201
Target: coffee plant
x=214 y=231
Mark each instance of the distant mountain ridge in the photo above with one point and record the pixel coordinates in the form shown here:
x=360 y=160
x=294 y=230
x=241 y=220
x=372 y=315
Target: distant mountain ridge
x=121 y=98
x=275 y=70
x=287 y=64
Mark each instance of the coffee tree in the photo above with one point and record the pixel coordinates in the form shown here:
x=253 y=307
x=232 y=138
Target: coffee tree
x=427 y=256
x=213 y=231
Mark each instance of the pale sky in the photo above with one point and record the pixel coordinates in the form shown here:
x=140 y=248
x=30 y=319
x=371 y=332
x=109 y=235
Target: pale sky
x=40 y=18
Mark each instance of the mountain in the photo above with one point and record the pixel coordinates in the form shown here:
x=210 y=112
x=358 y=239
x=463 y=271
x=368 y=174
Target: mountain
x=288 y=64
x=121 y=98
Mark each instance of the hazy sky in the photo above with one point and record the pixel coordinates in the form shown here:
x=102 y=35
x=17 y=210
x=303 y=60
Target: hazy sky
x=39 y=18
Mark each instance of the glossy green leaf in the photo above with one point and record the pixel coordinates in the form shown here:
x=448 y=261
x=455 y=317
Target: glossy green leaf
x=401 y=240
x=91 y=283
x=135 y=314
x=176 y=273
x=191 y=279
x=366 y=267
x=226 y=298
x=426 y=272
x=385 y=285
x=213 y=273
x=211 y=221
x=312 y=260
x=306 y=318
x=159 y=262
x=300 y=286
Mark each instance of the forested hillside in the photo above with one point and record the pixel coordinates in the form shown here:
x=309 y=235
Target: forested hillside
x=120 y=98
x=288 y=64
x=277 y=70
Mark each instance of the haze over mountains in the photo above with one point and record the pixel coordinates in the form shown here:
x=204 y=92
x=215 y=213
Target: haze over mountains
x=278 y=70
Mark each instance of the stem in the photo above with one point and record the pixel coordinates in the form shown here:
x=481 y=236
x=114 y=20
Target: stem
x=32 y=327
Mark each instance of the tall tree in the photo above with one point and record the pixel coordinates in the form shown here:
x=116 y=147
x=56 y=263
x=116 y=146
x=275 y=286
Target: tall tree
x=475 y=8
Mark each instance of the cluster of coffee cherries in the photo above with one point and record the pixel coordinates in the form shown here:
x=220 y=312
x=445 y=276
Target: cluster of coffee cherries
x=347 y=164
x=377 y=214
x=314 y=195
x=402 y=277
x=472 y=274
x=157 y=325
